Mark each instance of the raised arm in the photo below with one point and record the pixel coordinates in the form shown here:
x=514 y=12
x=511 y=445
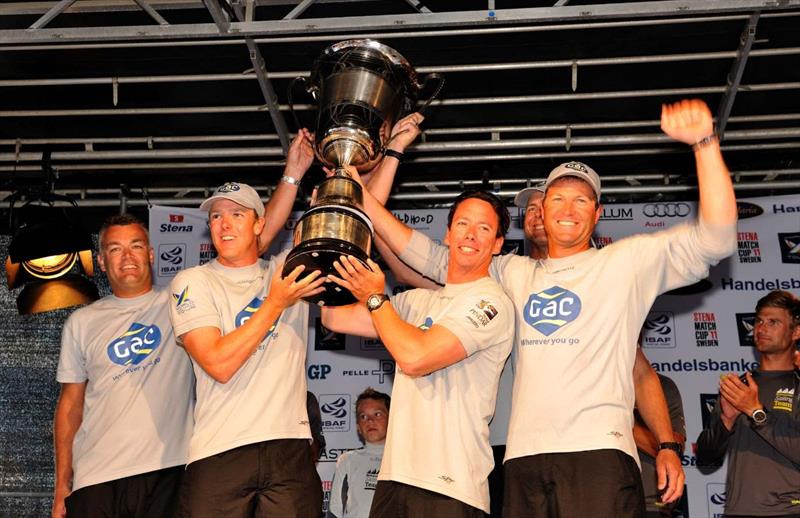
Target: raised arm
x=68 y=419
x=221 y=356
x=279 y=206
x=404 y=132
x=403 y=273
x=690 y=122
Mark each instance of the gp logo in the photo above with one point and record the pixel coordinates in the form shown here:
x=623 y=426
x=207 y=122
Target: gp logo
x=135 y=344
x=551 y=309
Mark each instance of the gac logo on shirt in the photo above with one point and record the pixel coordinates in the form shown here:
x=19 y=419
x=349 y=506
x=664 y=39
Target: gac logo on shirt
x=135 y=344
x=551 y=309
x=245 y=314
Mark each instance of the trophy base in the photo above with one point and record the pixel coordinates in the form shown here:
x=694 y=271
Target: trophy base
x=320 y=254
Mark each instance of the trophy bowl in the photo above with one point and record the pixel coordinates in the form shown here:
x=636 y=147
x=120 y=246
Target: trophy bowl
x=362 y=87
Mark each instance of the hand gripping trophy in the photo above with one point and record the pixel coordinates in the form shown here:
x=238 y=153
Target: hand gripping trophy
x=361 y=88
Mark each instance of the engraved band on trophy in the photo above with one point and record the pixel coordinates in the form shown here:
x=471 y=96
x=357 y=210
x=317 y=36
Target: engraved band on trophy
x=362 y=88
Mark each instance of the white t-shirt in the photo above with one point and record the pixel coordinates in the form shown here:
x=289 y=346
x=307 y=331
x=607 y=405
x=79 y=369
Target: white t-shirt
x=578 y=319
x=354 y=482
x=266 y=398
x=137 y=411
x=438 y=436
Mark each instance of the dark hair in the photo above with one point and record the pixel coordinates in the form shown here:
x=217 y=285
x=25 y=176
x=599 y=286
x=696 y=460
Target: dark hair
x=120 y=220
x=783 y=300
x=371 y=393
x=503 y=218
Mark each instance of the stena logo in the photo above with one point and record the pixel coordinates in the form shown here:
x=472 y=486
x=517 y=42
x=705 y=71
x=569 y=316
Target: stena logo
x=667 y=210
x=551 y=309
x=245 y=314
x=134 y=345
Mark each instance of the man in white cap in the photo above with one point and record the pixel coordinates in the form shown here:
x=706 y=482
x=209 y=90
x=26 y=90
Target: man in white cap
x=246 y=333
x=570 y=448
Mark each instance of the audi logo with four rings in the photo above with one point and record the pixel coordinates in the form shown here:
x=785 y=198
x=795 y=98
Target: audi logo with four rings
x=666 y=210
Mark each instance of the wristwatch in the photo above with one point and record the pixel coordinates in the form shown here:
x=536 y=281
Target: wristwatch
x=376 y=300
x=674 y=446
x=759 y=416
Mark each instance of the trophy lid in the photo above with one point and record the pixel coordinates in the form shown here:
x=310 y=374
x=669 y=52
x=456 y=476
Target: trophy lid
x=343 y=52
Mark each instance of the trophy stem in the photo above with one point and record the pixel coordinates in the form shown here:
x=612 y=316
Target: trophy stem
x=342 y=172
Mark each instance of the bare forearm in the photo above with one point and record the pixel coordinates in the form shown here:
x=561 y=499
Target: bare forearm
x=717 y=199
x=652 y=407
x=226 y=355
x=645 y=440
x=67 y=421
x=380 y=183
x=404 y=341
x=394 y=233
x=276 y=212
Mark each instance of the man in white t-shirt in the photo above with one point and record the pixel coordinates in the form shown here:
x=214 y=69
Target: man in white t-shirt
x=246 y=333
x=579 y=313
x=357 y=470
x=450 y=346
x=124 y=416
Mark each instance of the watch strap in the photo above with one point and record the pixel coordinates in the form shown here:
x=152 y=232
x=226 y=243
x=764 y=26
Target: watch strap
x=674 y=446
x=394 y=154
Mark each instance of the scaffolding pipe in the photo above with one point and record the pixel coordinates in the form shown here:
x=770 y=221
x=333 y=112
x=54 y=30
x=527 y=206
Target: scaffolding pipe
x=514 y=99
x=427 y=147
x=433 y=131
x=478 y=67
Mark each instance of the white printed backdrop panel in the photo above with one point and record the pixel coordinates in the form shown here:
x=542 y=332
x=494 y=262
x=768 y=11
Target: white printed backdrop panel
x=691 y=337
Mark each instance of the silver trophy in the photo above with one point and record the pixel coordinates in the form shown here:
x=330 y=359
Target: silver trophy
x=362 y=88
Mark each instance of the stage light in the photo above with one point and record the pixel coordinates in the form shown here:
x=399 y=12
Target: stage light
x=50 y=255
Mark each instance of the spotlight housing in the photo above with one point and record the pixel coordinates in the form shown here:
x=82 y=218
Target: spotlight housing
x=50 y=255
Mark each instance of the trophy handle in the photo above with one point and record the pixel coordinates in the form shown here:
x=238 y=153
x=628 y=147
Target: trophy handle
x=292 y=85
x=429 y=78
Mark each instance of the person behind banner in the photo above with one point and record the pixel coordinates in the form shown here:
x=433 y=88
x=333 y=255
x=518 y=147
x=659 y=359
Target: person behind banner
x=124 y=416
x=756 y=420
x=357 y=470
x=450 y=346
x=579 y=314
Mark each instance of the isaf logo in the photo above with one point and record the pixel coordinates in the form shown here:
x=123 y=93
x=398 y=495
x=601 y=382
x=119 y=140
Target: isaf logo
x=659 y=330
x=335 y=409
x=136 y=344
x=745 y=323
x=172 y=259
x=551 y=309
x=790 y=247
x=716 y=500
